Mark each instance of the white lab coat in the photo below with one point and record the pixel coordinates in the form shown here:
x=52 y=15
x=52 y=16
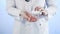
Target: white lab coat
x=15 y=7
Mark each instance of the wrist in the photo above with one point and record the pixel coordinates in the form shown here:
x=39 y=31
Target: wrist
x=21 y=13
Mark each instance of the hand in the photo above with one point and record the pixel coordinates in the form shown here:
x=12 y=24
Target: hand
x=44 y=12
x=32 y=19
x=29 y=17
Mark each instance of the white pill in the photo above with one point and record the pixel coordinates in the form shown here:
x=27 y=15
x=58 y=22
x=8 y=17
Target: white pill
x=36 y=12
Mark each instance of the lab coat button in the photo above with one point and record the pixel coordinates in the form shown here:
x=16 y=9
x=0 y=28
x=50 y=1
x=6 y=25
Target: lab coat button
x=40 y=24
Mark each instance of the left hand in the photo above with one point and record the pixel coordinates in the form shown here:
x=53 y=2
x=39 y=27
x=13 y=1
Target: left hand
x=30 y=18
x=44 y=12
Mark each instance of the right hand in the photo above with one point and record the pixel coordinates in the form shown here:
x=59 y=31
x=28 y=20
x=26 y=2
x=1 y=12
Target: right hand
x=44 y=12
x=29 y=17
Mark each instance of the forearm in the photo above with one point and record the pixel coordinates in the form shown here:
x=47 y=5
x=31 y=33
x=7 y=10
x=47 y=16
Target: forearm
x=13 y=11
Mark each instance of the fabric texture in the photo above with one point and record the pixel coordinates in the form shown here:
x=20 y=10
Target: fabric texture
x=21 y=26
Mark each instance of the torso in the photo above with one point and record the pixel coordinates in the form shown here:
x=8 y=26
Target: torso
x=23 y=5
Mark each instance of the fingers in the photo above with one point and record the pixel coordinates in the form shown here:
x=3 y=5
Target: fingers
x=33 y=19
x=37 y=8
x=29 y=17
x=27 y=14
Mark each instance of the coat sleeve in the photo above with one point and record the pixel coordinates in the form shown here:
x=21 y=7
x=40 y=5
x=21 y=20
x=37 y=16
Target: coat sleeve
x=51 y=8
x=11 y=8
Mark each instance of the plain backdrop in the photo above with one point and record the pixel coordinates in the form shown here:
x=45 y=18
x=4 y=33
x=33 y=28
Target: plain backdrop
x=6 y=21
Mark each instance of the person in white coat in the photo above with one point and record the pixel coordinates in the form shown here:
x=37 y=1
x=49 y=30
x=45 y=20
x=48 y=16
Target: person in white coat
x=25 y=22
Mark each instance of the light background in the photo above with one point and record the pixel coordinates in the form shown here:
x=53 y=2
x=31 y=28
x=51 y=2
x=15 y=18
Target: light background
x=6 y=21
